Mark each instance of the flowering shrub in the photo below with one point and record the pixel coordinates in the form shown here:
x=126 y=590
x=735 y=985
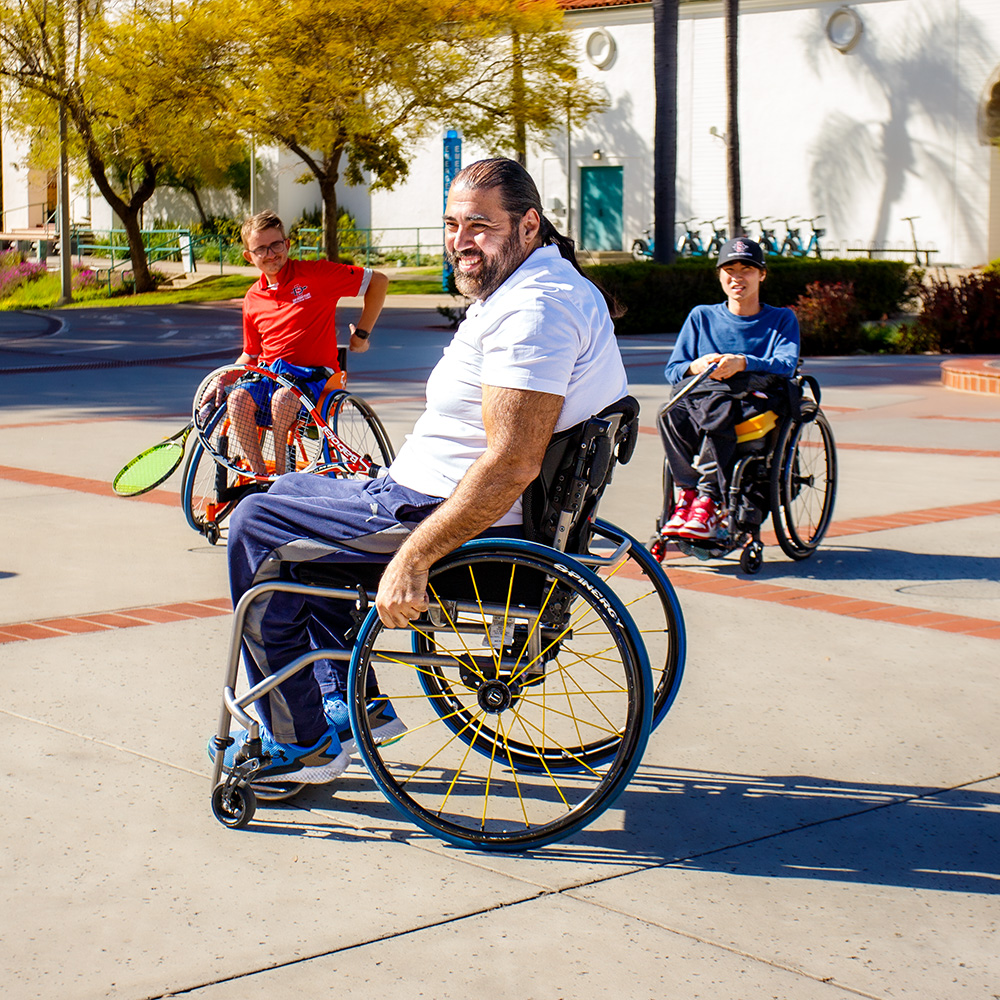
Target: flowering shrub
x=15 y=271
x=84 y=278
x=829 y=318
x=961 y=318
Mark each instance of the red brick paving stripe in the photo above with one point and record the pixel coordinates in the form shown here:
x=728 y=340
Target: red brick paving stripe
x=197 y=609
x=117 y=620
x=847 y=607
x=106 y=621
x=72 y=626
x=986 y=633
x=914 y=450
x=31 y=630
x=836 y=604
x=157 y=616
x=944 y=416
x=931 y=515
x=78 y=484
x=94 y=420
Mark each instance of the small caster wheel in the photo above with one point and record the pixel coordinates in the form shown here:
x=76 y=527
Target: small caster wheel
x=657 y=546
x=211 y=532
x=233 y=805
x=752 y=558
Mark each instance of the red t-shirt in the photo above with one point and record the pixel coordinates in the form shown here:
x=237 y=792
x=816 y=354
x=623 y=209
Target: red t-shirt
x=296 y=320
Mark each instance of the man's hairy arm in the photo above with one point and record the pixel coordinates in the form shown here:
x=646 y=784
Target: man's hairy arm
x=519 y=424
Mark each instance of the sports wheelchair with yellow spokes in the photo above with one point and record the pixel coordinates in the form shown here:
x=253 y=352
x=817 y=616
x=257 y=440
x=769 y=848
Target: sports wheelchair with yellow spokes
x=526 y=687
x=786 y=466
x=336 y=434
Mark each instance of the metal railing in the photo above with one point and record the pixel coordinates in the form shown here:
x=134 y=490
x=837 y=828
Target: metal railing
x=366 y=245
x=375 y=244
x=49 y=225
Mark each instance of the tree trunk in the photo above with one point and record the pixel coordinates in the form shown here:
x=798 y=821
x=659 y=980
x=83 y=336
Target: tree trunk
x=732 y=120
x=327 y=173
x=666 y=14
x=193 y=191
x=331 y=234
x=517 y=101
x=129 y=213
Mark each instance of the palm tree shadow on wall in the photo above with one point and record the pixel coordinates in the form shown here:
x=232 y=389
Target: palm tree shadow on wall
x=913 y=73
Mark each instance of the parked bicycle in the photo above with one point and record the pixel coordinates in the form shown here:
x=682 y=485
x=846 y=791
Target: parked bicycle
x=718 y=236
x=690 y=245
x=642 y=248
x=766 y=237
x=813 y=247
x=791 y=245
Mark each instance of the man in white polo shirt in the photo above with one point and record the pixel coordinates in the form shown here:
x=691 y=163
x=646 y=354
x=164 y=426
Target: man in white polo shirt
x=535 y=354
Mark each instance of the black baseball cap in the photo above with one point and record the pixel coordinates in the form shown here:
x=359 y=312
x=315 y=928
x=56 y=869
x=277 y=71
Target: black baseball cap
x=743 y=250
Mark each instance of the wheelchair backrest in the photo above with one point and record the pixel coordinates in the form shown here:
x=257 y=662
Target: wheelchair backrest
x=578 y=465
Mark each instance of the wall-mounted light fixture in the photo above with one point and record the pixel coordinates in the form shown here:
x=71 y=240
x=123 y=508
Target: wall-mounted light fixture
x=844 y=28
x=597 y=155
x=601 y=48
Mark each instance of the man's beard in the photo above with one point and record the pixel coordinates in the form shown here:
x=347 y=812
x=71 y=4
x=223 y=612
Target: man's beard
x=494 y=270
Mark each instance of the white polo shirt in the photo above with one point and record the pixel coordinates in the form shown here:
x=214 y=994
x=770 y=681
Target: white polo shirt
x=547 y=329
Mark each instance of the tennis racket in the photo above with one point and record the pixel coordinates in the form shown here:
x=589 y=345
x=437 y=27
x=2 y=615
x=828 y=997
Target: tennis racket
x=691 y=385
x=153 y=466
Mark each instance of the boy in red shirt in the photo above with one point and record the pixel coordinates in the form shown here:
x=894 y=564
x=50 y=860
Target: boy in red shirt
x=289 y=326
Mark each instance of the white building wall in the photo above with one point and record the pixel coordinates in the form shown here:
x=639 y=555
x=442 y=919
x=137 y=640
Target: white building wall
x=864 y=138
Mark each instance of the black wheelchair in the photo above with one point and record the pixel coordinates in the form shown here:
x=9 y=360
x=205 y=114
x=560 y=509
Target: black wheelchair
x=786 y=466
x=526 y=687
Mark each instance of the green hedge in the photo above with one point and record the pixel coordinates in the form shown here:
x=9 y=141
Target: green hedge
x=658 y=297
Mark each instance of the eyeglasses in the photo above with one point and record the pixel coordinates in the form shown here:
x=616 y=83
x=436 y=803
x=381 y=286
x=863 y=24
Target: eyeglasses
x=270 y=251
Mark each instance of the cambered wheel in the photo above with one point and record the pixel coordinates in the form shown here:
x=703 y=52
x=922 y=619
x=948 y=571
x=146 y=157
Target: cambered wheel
x=803 y=485
x=208 y=491
x=233 y=805
x=527 y=698
x=354 y=421
x=650 y=599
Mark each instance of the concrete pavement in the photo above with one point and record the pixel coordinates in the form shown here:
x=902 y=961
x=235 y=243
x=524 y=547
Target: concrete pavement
x=817 y=817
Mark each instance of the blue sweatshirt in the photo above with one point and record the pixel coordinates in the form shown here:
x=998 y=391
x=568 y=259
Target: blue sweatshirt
x=769 y=340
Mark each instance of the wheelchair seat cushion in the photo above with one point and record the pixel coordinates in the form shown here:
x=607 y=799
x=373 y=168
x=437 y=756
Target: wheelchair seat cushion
x=756 y=427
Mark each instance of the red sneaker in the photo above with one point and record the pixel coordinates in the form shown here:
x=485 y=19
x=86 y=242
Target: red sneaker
x=682 y=512
x=703 y=521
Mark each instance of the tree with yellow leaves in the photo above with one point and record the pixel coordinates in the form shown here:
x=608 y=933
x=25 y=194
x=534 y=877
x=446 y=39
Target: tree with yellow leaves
x=139 y=87
x=350 y=85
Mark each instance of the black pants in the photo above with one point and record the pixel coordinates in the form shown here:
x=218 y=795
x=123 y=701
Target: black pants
x=699 y=434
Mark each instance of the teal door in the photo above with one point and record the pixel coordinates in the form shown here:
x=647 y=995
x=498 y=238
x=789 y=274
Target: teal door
x=601 y=207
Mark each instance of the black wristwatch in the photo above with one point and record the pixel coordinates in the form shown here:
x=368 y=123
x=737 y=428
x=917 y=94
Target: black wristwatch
x=360 y=333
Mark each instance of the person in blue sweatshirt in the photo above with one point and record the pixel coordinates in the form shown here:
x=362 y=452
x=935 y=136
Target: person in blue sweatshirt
x=754 y=346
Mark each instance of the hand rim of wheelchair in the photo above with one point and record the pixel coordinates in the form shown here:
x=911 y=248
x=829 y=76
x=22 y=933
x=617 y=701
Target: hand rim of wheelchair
x=630 y=743
x=321 y=464
x=666 y=679
x=198 y=453
x=785 y=472
x=332 y=408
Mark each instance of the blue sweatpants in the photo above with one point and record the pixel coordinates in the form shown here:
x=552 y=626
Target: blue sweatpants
x=307 y=518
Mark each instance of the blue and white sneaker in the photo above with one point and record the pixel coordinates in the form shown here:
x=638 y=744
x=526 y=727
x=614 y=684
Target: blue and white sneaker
x=386 y=726
x=325 y=760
